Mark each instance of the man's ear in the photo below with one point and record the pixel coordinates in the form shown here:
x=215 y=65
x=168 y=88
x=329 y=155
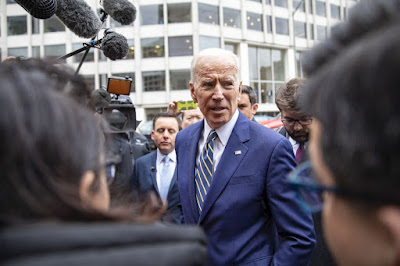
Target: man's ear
x=85 y=192
x=240 y=91
x=192 y=92
x=254 y=108
x=389 y=217
x=152 y=134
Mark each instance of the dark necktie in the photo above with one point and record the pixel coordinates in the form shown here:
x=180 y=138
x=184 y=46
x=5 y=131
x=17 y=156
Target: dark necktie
x=204 y=170
x=299 y=152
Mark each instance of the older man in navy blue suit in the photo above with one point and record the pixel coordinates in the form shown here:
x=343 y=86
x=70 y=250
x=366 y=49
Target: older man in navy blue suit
x=156 y=171
x=232 y=176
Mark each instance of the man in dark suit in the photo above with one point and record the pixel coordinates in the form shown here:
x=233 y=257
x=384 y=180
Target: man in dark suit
x=232 y=175
x=156 y=171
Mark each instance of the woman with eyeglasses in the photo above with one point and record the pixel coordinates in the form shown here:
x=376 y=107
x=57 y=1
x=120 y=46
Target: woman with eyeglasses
x=54 y=199
x=354 y=173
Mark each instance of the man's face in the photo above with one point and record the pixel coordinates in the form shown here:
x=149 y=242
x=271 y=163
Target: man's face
x=298 y=132
x=191 y=117
x=245 y=106
x=164 y=133
x=216 y=89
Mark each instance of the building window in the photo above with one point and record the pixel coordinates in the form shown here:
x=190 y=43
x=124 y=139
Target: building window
x=180 y=46
x=232 y=47
x=152 y=47
x=300 y=29
x=54 y=50
x=89 y=80
x=259 y=1
x=179 y=79
x=35 y=26
x=300 y=4
x=254 y=21
x=232 y=18
x=310 y=7
x=312 y=36
x=320 y=8
x=53 y=24
x=123 y=75
x=335 y=11
x=131 y=51
x=321 y=33
x=299 y=68
x=151 y=15
x=282 y=26
x=20 y=51
x=179 y=13
x=269 y=24
x=151 y=113
x=78 y=57
x=267 y=73
x=153 y=80
x=208 y=14
x=36 y=51
x=281 y=3
x=209 y=42
x=11 y=2
x=16 y=25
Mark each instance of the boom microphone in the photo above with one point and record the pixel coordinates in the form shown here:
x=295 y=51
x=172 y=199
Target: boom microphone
x=40 y=9
x=120 y=10
x=78 y=17
x=114 y=45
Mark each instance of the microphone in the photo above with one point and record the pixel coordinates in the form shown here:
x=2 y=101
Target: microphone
x=153 y=169
x=114 y=45
x=120 y=10
x=40 y=9
x=78 y=17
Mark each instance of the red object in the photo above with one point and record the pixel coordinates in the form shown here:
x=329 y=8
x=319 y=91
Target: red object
x=272 y=123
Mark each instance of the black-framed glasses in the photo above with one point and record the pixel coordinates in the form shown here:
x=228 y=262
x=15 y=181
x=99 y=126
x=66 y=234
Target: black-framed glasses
x=291 y=122
x=308 y=191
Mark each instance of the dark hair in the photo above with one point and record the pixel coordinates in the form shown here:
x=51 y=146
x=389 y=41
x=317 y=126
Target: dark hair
x=288 y=96
x=252 y=94
x=165 y=114
x=355 y=99
x=366 y=17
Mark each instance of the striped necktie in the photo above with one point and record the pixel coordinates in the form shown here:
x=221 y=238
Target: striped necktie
x=204 y=170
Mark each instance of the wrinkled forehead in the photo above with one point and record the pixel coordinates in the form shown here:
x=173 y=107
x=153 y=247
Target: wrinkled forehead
x=216 y=65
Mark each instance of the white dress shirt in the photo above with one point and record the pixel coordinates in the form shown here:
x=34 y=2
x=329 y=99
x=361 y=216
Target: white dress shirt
x=160 y=165
x=296 y=145
x=224 y=132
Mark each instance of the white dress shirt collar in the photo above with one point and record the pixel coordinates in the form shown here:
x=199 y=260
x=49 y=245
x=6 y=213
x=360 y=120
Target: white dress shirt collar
x=224 y=132
x=160 y=156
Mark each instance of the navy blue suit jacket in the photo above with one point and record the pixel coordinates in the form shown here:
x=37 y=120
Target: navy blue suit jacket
x=249 y=202
x=144 y=179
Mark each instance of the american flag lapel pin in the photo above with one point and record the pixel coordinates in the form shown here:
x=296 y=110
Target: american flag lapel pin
x=238 y=152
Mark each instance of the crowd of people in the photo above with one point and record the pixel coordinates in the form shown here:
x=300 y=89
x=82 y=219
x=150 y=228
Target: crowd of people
x=219 y=189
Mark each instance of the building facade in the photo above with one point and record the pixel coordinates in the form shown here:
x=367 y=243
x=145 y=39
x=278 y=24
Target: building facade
x=267 y=35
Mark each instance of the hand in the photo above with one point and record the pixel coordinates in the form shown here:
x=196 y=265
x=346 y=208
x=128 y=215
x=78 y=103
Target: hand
x=172 y=108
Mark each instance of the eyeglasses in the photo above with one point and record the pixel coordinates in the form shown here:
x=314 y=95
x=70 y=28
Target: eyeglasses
x=308 y=191
x=291 y=122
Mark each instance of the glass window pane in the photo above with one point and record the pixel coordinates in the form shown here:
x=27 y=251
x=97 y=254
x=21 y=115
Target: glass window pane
x=335 y=11
x=123 y=75
x=153 y=81
x=20 y=51
x=300 y=29
x=179 y=79
x=11 y=2
x=36 y=51
x=259 y=1
x=151 y=15
x=320 y=8
x=269 y=24
x=131 y=51
x=208 y=14
x=265 y=70
x=281 y=3
x=267 y=93
x=54 y=50
x=254 y=85
x=299 y=4
x=180 y=46
x=312 y=37
x=209 y=42
x=282 y=26
x=152 y=47
x=178 y=13
x=253 y=63
x=232 y=47
x=279 y=67
x=232 y=17
x=89 y=80
x=35 y=26
x=16 y=25
x=310 y=7
x=254 y=21
x=78 y=57
x=321 y=33
x=53 y=24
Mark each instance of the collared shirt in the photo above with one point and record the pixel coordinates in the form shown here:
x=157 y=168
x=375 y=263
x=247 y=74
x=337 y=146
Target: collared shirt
x=296 y=145
x=224 y=132
x=160 y=165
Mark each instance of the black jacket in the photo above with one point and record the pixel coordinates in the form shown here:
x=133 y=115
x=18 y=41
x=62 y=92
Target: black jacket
x=102 y=244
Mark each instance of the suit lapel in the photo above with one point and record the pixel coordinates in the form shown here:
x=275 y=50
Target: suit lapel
x=229 y=162
x=153 y=165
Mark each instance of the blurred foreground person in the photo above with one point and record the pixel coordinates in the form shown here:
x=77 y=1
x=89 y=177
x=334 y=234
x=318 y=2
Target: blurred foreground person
x=53 y=191
x=354 y=149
